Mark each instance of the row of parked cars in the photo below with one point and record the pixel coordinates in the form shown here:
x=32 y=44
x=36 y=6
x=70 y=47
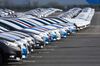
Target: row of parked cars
x=20 y=36
x=81 y=17
x=70 y=13
x=38 y=12
x=42 y=12
x=7 y=13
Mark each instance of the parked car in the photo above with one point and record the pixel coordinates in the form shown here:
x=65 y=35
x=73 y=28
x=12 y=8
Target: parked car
x=9 y=50
x=50 y=30
x=39 y=36
x=18 y=41
x=69 y=27
x=60 y=31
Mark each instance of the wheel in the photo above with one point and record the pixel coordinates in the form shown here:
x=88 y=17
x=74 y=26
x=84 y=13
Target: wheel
x=1 y=59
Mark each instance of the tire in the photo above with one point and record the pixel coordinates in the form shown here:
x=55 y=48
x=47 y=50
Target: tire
x=1 y=59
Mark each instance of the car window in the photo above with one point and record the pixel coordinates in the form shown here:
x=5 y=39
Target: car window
x=49 y=21
x=27 y=22
x=40 y=21
x=17 y=24
x=6 y=26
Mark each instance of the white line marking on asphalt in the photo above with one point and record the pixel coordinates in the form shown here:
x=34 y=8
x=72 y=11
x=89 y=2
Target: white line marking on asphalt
x=49 y=49
x=52 y=46
x=36 y=56
x=29 y=61
x=15 y=63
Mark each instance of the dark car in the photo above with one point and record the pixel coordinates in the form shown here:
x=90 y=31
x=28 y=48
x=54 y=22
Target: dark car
x=9 y=51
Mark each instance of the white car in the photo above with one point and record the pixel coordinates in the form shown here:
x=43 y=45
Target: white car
x=30 y=38
x=69 y=27
x=51 y=29
x=34 y=28
x=80 y=23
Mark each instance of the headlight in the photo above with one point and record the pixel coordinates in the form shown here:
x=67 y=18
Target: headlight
x=24 y=40
x=62 y=29
x=27 y=38
x=57 y=30
x=72 y=27
x=43 y=34
x=38 y=37
x=12 y=44
x=66 y=28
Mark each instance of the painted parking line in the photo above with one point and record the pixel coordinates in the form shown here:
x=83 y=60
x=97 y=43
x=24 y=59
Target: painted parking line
x=13 y=63
x=48 y=49
x=52 y=46
x=29 y=61
x=36 y=56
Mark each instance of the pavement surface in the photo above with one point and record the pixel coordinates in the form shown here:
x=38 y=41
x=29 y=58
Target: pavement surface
x=82 y=49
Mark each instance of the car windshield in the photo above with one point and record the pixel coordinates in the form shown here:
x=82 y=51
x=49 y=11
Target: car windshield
x=40 y=21
x=48 y=20
x=4 y=29
x=30 y=23
x=21 y=25
x=6 y=26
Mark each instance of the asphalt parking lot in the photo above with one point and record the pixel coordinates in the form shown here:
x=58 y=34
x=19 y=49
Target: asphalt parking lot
x=82 y=49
